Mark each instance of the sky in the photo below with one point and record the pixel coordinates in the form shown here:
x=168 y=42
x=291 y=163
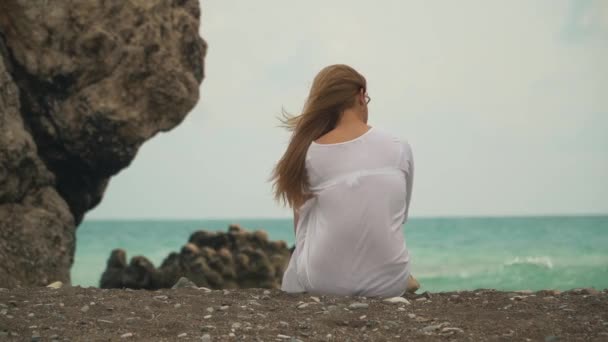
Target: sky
x=505 y=105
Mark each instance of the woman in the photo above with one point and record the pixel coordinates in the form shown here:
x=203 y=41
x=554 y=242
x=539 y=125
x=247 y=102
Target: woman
x=350 y=186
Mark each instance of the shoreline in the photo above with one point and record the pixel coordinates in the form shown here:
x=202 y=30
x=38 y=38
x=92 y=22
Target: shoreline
x=188 y=314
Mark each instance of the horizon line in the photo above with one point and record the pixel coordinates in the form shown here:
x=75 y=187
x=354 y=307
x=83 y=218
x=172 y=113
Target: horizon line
x=290 y=218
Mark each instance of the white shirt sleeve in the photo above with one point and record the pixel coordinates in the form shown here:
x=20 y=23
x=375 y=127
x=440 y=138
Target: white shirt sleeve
x=407 y=165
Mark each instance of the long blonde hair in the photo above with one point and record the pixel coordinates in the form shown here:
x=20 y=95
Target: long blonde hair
x=334 y=89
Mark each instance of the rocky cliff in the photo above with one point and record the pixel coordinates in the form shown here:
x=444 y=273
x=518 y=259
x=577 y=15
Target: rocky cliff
x=83 y=84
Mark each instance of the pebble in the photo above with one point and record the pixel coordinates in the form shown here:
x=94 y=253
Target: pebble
x=205 y=289
x=177 y=306
x=356 y=306
x=549 y=292
x=302 y=306
x=210 y=309
x=401 y=309
x=127 y=335
x=451 y=330
x=411 y=315
x=434 y=327
x=182 y=335
x=206 y=338
x=591 y=291
x=422 y=299
x=397 y=300
x=265 y=297
x=283 y=323
x=161 y=297
x=525 y=292
x=226 y=292
x=266 y=292
x=84 y=308
x=391 y=324
x=205 y=328
x=183 y=283
x=363 y=317
x=231 y=335
x=55 y=285
x=316 y=299
x=3 y=312
x=236 y=326
x=283 y=336
x=30 y=314
x=207 y=316
x=224 y=307
x=508 y=333
x=422 y=319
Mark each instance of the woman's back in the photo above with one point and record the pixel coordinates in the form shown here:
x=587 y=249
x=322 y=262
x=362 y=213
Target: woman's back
x=349 y=239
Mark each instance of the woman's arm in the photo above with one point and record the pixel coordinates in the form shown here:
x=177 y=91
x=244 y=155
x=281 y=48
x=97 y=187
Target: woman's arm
x=409 y=178
x=296 y=216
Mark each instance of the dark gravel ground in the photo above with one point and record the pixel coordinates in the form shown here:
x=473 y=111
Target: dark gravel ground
x=188 y=314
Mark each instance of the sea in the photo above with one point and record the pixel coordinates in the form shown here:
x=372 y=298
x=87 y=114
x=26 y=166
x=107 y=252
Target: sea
x=447 y=254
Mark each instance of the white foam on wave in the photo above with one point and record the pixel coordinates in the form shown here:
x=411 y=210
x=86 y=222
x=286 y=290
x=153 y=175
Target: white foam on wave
x=543 y=261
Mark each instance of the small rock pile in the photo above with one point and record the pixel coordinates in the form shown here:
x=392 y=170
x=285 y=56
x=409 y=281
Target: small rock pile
x=216 y=260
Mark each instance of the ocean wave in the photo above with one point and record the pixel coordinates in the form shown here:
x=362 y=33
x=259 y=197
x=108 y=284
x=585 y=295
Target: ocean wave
x=475 y=270
x=542 y=261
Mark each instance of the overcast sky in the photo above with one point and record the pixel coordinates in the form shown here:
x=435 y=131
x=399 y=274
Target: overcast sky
x=505 y=104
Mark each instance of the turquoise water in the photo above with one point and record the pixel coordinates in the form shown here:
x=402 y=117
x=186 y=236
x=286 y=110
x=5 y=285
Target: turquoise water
x=447 y=253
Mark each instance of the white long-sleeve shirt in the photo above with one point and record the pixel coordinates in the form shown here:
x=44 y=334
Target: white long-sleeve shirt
x=349 y=238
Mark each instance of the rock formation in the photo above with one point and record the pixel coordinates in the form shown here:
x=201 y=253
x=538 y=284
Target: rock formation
x=83 y=84
x=236 y=259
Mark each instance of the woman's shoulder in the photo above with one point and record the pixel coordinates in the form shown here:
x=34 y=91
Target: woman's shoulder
x=384 y=135
x=394 y=145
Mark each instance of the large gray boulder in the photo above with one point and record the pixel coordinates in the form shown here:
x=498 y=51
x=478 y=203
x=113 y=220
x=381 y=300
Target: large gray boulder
x=83 y=84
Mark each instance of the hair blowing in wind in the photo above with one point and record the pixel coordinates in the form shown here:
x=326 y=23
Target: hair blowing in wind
x=334 y=89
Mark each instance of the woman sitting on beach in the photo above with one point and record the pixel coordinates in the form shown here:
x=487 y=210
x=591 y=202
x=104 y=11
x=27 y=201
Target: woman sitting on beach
x=350 y=186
